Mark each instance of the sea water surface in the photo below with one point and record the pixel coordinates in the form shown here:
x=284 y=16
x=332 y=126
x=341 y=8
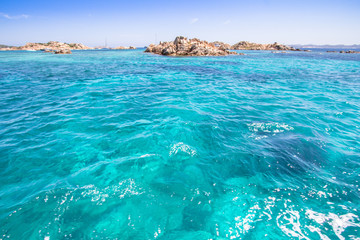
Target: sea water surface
x=130 y=145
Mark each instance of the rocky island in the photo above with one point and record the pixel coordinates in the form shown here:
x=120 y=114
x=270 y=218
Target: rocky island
x=183 y=46
x=124 y=48
x=50 y=47
x=243 y=45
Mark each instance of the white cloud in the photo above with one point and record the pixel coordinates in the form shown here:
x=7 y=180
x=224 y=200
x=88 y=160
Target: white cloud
x=227 y=22
x=7 y=16
x=194 y=20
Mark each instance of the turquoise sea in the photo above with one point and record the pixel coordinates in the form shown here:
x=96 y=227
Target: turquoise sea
x=130 y=145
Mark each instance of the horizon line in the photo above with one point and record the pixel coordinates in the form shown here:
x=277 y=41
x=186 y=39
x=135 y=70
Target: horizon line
x=117 y=45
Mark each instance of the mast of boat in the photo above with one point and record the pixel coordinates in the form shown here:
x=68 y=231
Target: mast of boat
x=105 y=42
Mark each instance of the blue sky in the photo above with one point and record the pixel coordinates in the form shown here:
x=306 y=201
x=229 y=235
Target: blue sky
x=140 y=22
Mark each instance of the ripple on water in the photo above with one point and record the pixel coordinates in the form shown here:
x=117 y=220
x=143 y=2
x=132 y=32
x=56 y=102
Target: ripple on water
x=128 y=145
x=263 y=130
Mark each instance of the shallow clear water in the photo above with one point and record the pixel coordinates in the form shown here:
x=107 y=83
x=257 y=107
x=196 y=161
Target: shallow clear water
x=128 y=145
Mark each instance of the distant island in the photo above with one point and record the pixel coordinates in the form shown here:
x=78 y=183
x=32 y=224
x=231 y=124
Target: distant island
x=56 y=47
x=243 y=45
x=52 y=45
x=183 y=46
x=339 y=46
x=124 y=48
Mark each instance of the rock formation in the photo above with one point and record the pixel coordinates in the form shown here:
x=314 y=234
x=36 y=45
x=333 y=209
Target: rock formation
x=62 y=51
x=221 y=45
x=182 y=46
x=124 y=48
x=350 y=51
x=52 y=45
x=5 y=47
x=243 y=45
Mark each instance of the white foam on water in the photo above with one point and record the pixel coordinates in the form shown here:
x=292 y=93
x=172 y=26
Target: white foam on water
x=181 y=147
x=289 y=223
x=338 y=222
x=315 y=229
